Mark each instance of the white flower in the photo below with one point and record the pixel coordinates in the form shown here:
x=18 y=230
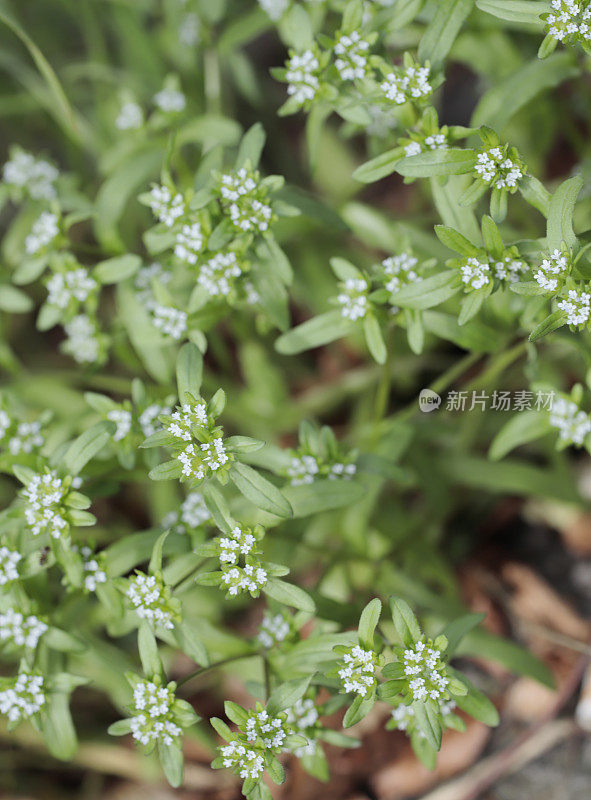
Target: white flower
x=194 y=512
x=398 y=270
x=218 y=275
x=44 y=511
x=413 y=149
x=301 y=76
x=351 y=53
x=274 y=628
x=148 y=419
x=244 y=761
x=189 y=30
x=5 y=423
x=572 y=424
x=75 y=284
x=122 y=418
x=475 y=273
x=147 y=595
x=238 y=543
x=303 y=714
x=182 y=420
x=24 y=698
x=250 y=578
x=144 y=279
x=338 y=470
x=35 y=176
x=552 y=268
x=244 y=199
x=422 y=664
x=171 y=321
x=576 y=307
x=153 y=719
x=8 y=565
x=409 y=83
x=166 y=207
x=569 y=20
x=403 y=716
x=274 y=8
x=26 y=438
x=189 y=243
x=509 y=269
x=43 y=232
x=303 y=469
x=130 y=117
x=82 y=343
x=170 y=100
x=19 y=630
x=357 y=671
x=353 y=298
x=265 y=731
x=497 y=169
x=93 y=574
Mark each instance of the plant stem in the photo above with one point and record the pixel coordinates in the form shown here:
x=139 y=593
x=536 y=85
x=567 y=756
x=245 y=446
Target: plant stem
x=209 y=667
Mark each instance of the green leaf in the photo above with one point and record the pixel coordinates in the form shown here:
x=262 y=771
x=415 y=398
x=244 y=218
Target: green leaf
x=555 y=320
x=169 y=470
x=322 y=495
x=171 y=758
x=13 y=300
x=259 y=490
x=359 y=708
x=251 y=146
x=115 y=270
x=374 y=339
x=560 y=215
x=189 y=370
x=119 y=728
x=456 y=241
x=289 y=595
x=472 y=303
x=525 y=426
x=57 y=727
x=455 y=631
x=493 y=240
x=523 y=11
x=437 y=162
x=379 y=167
x=441 y=32
x=446 y=198
x=535 y=193
x=405 y=622
x=218 y=508
x=273 y=767
x=156 y=557
x=428 y=721
x=475 y=335
x=295 y=29
x=86 y=446
x=63 y=641
x=477 y=705
x=314 y=332
x=368 y=621
x=500 y=104
x=148 y=650
x=287 y=695
x=189 y=640
x=429 y=292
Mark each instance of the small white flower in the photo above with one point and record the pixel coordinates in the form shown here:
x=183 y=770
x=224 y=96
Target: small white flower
x=475 y=273
x=244 y=199
x=301 y=75
x=250 y=578
x=422 y=664
x=237 y=544
x=509 y=269
x=274 y=628
x=552 y=269
x=358 y=671
x=122 y=418
x=93 y=573
x=266 y=731
x=189 y=243
x=35 y=176
x=170 y=101
x=194 y=512
x=24 y=698
x=244 y=761
x=64 y=287
x=26 y=438
x=130 y=117
x=399 y=270
x=274 y=8
x=171 y=321
x=353 y=298
x=202 y=460
x=9 y=560
x=576 y=307
x=166 y=207
x=147 y=596
x=44 y=230
x=218 y=275
x=153 y=716
x=496 y=169
x=44 y=509
x=351 y=53
x=572 y=424
x=408 y=83
x=190 y=30
x=19 y=630
x=303 y=469
x=82 y=343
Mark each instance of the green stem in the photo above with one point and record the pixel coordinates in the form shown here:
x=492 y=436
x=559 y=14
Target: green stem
x=209 y=667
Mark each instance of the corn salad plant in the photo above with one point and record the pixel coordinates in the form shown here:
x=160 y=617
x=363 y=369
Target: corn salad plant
x=242 y=242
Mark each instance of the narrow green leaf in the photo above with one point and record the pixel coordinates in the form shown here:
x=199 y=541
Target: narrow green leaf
x=189 y=370
x=437 y=162
x=314 y=333
x=441 y=32
x=404 y=620
x=560 y=215
x=370 y=617
x=259 y=490
x=86 y=446
x=117 y=269
x=374 y=339
x=289 y=595
x=525 y=426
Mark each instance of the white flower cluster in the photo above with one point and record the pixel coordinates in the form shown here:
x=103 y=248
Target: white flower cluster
x=171 y=101
x=189 y=243
x=551 y=269
x=82 y=342
x=19 y=630
x=76 y=284
x=274 y=628
x=274 y=8
x=510 y=269
x=573 y=425
x=143 y=282
x=399 y=270
x=147 y=595
x=35 y=176
x=130 y=117
x=189 y=30
x=181 y=421
x=498 y=170
x=358 y=673
x=302 y=76
x=250 y=578
x=238 y=543
x=8 y=565
x=200 y=460
x=436 y=141
x=475 y=273
x=244 y=761
x=148 y=419
x=93 y=573
x=171 y=321
x=576 y=306
x=569 y=18
x=5 y=423
x=423 y=666
x=122 y=419
x=351 y=53
x=44 y=230
x=242 y=193
x=266 y=731
x=193 y=513
x=410 y=83
x=403 y=716
x=26 y=438
x=166 y=207
x=353 y=298
x=44 y=511
x=25 y=698
x=153 y=719
x=302 y=715
x=218 y=274
x=303 y=470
